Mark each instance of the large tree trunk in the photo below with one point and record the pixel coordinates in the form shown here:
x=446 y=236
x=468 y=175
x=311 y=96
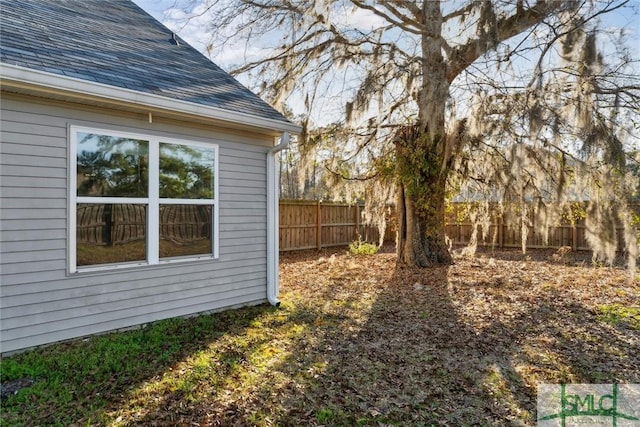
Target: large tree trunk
x=420 y=202
x=421 y=234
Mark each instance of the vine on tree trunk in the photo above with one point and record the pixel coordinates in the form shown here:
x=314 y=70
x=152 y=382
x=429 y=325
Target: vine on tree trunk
x=421 y=199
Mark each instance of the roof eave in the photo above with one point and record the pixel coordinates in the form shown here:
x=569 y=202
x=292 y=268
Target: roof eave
x=84 y=90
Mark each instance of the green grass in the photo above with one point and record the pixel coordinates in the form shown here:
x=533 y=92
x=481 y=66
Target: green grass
x=615 y=314
x=81 y=380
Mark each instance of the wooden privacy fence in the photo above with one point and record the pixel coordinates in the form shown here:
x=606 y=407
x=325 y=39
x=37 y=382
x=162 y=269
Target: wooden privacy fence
x=308 y=224
x=502 y=235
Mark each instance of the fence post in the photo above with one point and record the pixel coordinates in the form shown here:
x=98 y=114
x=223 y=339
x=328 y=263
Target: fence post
x=357 y=222
x=458 y=237
x=574 y=236
x=500 y=232
x=318 y=225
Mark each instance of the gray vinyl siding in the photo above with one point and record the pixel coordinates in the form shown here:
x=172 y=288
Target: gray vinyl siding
x=41 y=303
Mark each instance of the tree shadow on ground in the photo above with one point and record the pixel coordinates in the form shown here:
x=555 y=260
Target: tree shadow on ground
x=359 y=341
x=413 y=362
x=434 y=350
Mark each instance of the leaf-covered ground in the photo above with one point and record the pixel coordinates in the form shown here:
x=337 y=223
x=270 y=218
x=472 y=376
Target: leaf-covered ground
x=461 y=345
x=359 y=342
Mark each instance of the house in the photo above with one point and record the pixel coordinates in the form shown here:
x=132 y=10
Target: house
x=137 y=178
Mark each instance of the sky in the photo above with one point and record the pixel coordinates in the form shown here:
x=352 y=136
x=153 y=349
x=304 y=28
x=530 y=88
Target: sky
x=157 y=8
x=195 y=33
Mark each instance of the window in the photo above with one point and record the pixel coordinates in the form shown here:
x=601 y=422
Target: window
x=137 y=200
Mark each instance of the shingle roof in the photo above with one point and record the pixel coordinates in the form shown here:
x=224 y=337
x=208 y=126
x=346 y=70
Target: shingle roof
x=114 y=42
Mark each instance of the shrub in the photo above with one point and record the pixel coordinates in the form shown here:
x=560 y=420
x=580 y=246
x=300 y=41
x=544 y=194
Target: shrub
x=359 y=247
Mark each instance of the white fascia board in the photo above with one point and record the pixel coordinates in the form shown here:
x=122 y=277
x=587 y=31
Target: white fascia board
x=14 y=75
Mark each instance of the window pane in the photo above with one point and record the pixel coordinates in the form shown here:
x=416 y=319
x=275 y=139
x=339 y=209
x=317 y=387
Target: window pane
x=108 y=233
x=185 y=230
x=112 y=166
x=186 y=171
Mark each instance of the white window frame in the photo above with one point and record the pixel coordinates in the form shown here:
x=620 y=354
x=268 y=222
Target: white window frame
x=153 y=201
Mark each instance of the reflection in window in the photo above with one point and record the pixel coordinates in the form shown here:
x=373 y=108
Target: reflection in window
x=112 y=166
x=185 y=230
x=140 y=199
x=110 y=233
x=186 y=171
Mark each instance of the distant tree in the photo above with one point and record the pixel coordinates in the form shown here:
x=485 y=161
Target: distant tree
x=525 y=99
x=186 y=172
x=112 y=167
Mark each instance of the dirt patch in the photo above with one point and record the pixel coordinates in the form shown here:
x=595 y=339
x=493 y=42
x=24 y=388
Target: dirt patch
x=10 y=388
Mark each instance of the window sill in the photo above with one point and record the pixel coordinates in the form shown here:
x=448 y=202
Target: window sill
x=115 y=268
